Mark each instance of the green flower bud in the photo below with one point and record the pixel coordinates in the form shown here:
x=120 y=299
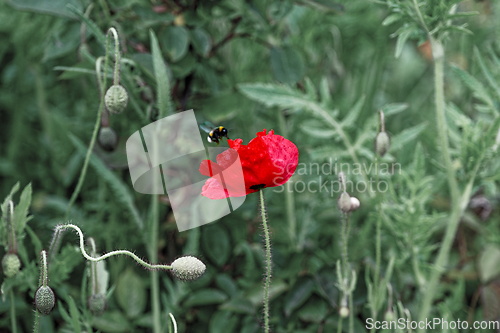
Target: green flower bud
x=10 y=264
x=345 y=202
x=116 y=99
x=97 y=304
x=107 y=138
x=389 y=316
x=188 y=268
x=45 y=300
x=382 y=143
x=344 y=312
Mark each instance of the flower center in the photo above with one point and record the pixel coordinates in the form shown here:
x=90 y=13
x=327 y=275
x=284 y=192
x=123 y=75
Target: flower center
x=257 y=187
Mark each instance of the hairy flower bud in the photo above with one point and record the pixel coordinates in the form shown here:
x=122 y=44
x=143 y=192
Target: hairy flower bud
x=45 y=300
x=116 y=99
x=188 y=268
x=382 y=143
x=10 y=264
x=107 y=138
x=345 y=202
x=97 y=304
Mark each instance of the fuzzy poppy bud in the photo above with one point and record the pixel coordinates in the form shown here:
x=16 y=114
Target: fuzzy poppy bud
x=107 y=138
x=10 y=264
x=382 y=143
x=345 y=202
x=45 y=300
x=97 y=304
x=354 y=203
x=188 y=268
x=344 y=312
x=116 y=98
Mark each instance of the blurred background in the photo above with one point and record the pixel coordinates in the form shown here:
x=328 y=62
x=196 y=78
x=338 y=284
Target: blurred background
x=339 y=53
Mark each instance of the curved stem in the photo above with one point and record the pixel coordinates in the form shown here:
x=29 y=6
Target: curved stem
x=267 y=282
x=96 y=126
x=109 y=254
x=116 y=76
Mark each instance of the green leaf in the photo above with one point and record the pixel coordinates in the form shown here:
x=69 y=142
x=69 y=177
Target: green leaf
x=51 y=7
x=409 y=134
x=223 y=321
x=489 y=263
x=165 y=106
x=394 y=108
x=131 y=293
x=175 y=41
x=75 y=315
x=21 y=210
x=287 y=64
x=314 y=310
x=256 y=296
x=201 y=41
x=403 y=36
x=391 y=19
x=239 y=305
x=489 y=76
x=205 y=297
x=317 y=132
x=300 y=292
x=215 y=243
x=477 y=87
x=94 y=29
x=353 y=113
x=117 y=185
x=326 y=4
x=271 y=94
x=227 y=284
x=112 y=322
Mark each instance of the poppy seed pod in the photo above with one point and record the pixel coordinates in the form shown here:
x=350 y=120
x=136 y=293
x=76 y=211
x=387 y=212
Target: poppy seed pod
x=116 y=99
x=188 y=268
x=382 y=143
x=345 y=202
x=45 y=300
x=107 y=138
x=97 y=304
x=10 y=264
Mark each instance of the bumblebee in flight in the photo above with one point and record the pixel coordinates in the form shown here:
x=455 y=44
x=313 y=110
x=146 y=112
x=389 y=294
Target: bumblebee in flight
x=215 y=133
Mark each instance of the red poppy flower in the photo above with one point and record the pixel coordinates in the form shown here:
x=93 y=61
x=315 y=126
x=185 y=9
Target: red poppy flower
x=267 y=161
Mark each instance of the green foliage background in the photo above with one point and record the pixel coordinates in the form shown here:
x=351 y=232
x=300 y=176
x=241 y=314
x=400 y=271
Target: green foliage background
x=283 y=65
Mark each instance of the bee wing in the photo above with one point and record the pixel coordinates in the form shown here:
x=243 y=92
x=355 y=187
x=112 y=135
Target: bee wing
x=206 y=128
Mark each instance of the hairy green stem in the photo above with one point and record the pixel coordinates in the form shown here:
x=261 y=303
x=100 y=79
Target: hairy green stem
x=81 y=179
x=13 y=322
x=109 y=254
x=153 y=257
x=37 y=321
x=267 y=282
x=44 y=270
x=456 y=209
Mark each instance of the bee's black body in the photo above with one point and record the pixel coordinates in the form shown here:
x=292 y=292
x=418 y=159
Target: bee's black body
x=215 y=133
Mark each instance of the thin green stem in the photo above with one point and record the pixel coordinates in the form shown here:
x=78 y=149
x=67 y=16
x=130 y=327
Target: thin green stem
x=109 y=254
x=351 y=314
x=37 y=321
x=93 y=266
x=13 y=322
x=267 y=282
x=320 y=111
x=153 y=257
x=345 y=258
x=456 y=202
x=116 y=76
x=420 y=17
x=81 y=179
x=339 y=326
